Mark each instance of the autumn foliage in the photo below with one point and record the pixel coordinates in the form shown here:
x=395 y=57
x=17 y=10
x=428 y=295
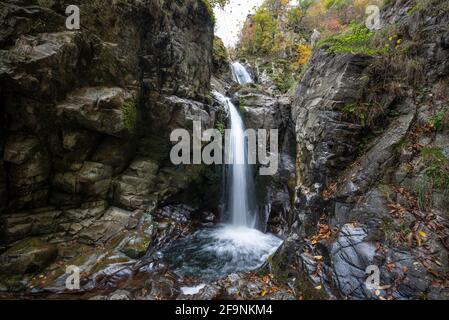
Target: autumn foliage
x=279 y=33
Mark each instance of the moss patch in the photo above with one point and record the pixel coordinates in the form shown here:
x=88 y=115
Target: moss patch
x=129 y=109
x=220 y=54
x=210 y=10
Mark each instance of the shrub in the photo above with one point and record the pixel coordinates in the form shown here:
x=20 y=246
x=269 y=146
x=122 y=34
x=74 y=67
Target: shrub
x=221 y=127
x=437 y=167
x=357 y=39
x=362 y=113
x=440 y=120
x=303 y=53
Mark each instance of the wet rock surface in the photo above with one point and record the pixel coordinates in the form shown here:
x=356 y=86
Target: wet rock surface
x=363 y=198
x=81 y=138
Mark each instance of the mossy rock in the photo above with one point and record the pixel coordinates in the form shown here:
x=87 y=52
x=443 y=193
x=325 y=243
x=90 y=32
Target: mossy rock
x=220 y=55
x=136 y=246
x=286 y=265
x=130 y=115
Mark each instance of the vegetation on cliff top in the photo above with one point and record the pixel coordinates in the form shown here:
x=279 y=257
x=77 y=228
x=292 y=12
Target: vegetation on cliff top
x=357 y=39
x=277 y=38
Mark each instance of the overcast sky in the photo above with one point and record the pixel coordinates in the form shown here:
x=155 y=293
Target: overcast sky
x=230 y=20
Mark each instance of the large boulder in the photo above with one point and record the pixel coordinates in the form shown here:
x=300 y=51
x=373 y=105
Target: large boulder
x=260 y=111
x=168 y=113
x=326 y=143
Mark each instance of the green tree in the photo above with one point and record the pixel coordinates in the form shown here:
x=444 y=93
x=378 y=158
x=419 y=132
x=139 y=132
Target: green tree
x=336 y=4
x=218 y=3
x=265 y=28
x=296 y=14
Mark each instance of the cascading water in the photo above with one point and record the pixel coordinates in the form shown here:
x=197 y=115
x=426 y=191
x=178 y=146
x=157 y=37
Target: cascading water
x=235 y=247
x=240 y=74
x=239 y=197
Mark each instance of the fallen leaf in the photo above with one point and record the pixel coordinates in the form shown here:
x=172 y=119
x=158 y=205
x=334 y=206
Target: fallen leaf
x=422 y=234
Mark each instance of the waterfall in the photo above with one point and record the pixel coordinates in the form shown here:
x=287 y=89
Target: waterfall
x=237 y=246
x=240 y=74
x=239 y=182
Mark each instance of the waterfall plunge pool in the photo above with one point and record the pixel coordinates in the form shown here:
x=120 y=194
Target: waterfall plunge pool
x=212 y=253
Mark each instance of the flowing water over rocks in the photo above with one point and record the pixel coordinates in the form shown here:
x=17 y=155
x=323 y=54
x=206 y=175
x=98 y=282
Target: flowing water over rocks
x=237 y=247
x=240 y=74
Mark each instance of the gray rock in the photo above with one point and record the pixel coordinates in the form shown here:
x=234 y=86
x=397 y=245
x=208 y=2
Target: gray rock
x=111 y=111
x=136 y=245
x=177 y=213
x=113 y=222
x=119 y=295
x=42 y=52
x=326 y=144
x=163 y=287
x=209 y=292
x=50 y=220
x=28 y=181
x=174 y=112
x=115 y=153
x=92 y=179
x=30 y=255
x=19 y=148
x=351 y=255
x=133 y=187
x=67 y=181
x=374 y=162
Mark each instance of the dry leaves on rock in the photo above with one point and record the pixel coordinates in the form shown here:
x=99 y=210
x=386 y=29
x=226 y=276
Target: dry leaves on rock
x=396 y=210
x=324 y=233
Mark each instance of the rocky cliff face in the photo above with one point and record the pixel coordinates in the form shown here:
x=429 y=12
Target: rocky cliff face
x=86 y=117
x=368 y=193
